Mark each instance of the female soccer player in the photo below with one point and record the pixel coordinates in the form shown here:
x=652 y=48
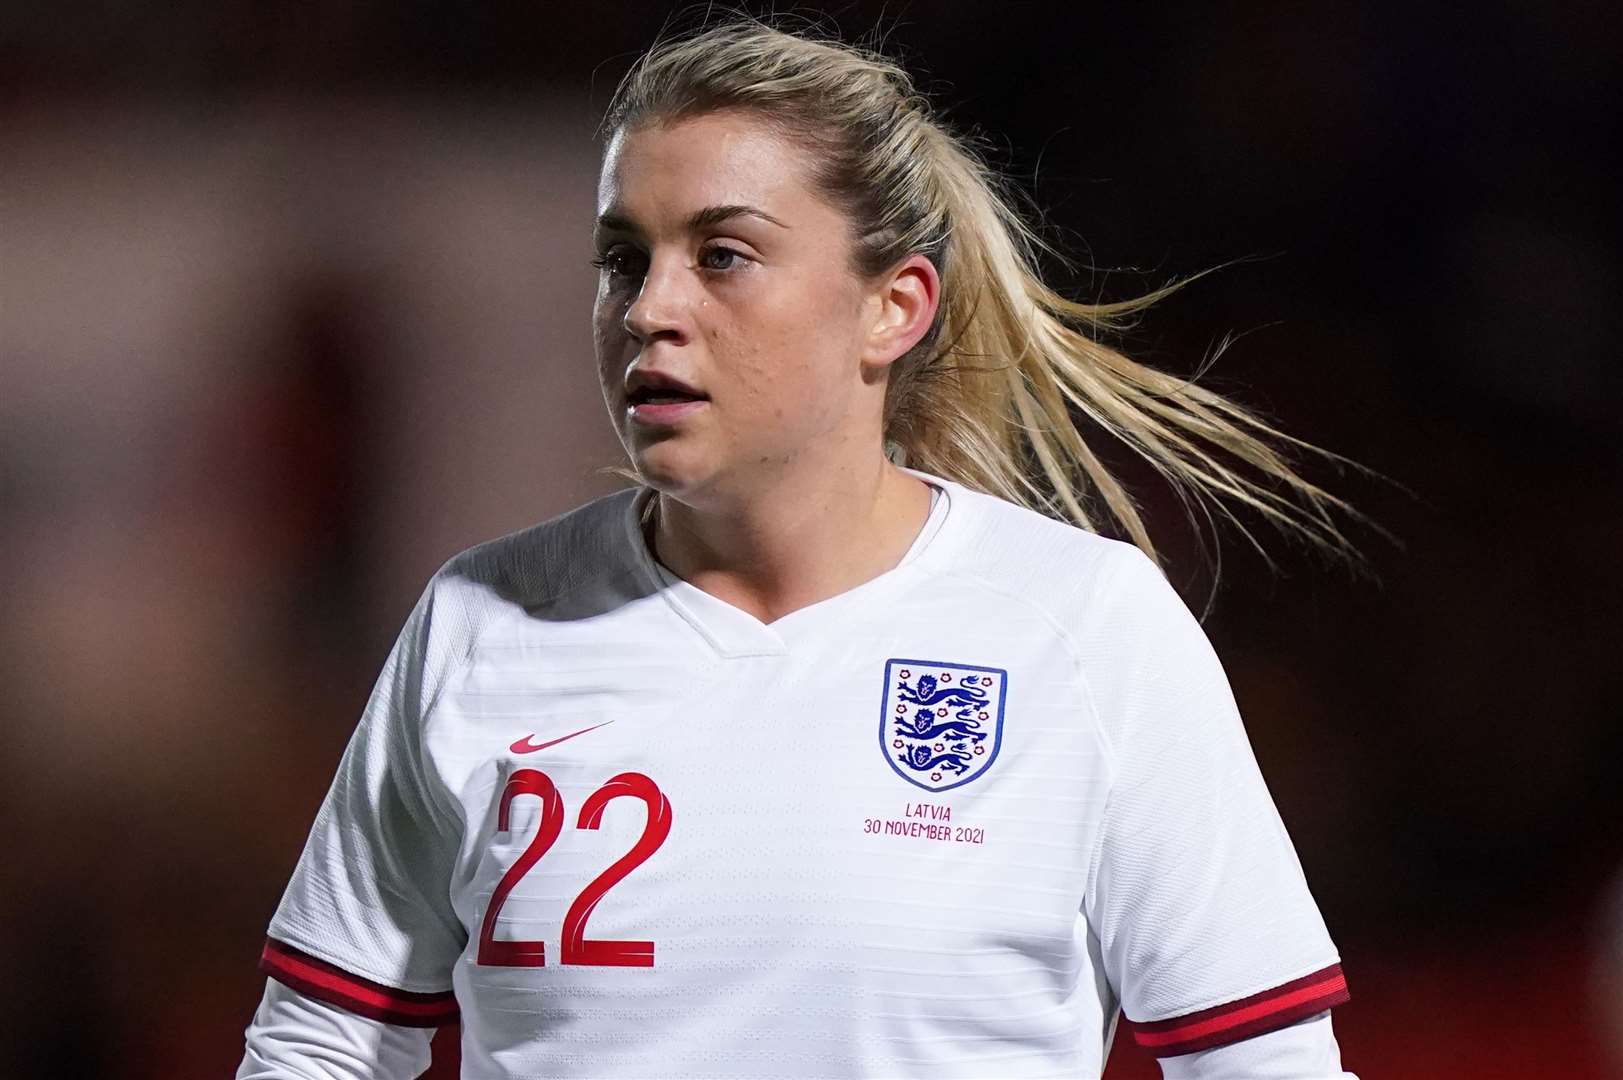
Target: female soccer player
x=842 y=744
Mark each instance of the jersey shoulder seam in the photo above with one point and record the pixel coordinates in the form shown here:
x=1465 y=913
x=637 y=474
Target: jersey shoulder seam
x=451 y=570
x=509 y=613
x=1057 y=624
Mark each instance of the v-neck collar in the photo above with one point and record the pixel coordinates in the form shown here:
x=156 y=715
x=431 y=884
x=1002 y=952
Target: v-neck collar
x=734 y=632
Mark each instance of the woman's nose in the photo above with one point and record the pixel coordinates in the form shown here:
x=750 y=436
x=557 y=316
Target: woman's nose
x=657 y=309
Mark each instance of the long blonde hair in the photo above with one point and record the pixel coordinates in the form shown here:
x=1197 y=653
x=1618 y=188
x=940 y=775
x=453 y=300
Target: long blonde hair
x=985 y=398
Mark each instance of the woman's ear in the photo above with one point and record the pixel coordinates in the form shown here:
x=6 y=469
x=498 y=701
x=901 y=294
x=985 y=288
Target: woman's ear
x=907 y=297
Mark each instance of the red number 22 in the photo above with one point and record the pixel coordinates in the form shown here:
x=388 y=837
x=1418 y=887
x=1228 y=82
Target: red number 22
x=577 y=947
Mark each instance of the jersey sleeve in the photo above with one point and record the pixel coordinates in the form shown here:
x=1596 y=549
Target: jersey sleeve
x=1304 y=1050
x=366 y=922
x=297 y=1037
x=1206 y=926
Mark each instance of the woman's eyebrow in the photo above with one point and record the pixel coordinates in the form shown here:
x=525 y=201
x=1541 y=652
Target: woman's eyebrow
x=612 y=221
x=715 y=215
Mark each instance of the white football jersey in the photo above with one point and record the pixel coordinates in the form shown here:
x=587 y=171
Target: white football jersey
x=948 y=823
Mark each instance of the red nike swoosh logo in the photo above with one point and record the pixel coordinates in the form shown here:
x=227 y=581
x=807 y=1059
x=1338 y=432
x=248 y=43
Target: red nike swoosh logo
x=525 y=746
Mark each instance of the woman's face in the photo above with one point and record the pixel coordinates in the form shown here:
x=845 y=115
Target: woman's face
x=722 y=271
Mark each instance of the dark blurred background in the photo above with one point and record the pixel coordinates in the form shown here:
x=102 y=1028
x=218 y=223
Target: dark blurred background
x=293 y=306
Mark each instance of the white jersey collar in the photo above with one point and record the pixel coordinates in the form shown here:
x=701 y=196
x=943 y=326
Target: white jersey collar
x=733 y=632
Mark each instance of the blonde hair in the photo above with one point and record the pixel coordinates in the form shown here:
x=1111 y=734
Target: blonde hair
x=985 y=398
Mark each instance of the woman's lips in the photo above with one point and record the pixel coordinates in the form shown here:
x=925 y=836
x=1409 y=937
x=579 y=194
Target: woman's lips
x=663 y=414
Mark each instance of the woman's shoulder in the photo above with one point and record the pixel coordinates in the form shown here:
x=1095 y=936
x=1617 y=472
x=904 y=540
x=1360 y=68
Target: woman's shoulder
x=544 y=569
x=1027 y=553
x=530 y=566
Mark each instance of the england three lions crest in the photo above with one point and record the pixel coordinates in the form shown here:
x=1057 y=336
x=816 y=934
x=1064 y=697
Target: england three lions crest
x=941 y=724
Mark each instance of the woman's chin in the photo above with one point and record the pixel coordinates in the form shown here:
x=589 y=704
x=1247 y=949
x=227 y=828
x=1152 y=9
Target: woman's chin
x=668 y=469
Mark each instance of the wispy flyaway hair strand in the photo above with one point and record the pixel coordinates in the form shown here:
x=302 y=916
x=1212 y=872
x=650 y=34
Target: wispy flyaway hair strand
x=991 y=396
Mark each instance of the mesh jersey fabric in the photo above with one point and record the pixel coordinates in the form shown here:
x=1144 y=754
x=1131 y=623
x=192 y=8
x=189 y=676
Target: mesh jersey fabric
x=815 y=906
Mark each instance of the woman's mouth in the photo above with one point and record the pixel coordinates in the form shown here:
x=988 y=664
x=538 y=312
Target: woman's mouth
x=657 y=399
x=662 y=408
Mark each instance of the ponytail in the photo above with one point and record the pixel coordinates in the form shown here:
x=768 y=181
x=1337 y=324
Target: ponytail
x=987 y=397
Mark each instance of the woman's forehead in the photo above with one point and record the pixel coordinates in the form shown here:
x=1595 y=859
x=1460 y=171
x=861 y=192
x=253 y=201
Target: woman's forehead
x=717 y=159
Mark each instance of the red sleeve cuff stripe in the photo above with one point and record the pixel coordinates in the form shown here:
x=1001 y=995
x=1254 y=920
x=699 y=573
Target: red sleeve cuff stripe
x=1236 y=1020
x=327 y=982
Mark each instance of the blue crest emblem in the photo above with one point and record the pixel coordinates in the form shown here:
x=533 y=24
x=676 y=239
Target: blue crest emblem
x=940 y=725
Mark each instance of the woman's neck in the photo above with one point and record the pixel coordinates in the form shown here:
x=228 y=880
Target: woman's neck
x=795 y=544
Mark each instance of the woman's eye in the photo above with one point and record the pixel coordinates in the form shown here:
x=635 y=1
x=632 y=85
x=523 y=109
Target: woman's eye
x=629 y=263
x=719 y=258
x=619 y=263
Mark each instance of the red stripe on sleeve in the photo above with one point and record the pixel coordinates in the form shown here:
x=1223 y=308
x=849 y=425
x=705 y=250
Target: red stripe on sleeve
x=1236 y=1020
x=332 y=984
